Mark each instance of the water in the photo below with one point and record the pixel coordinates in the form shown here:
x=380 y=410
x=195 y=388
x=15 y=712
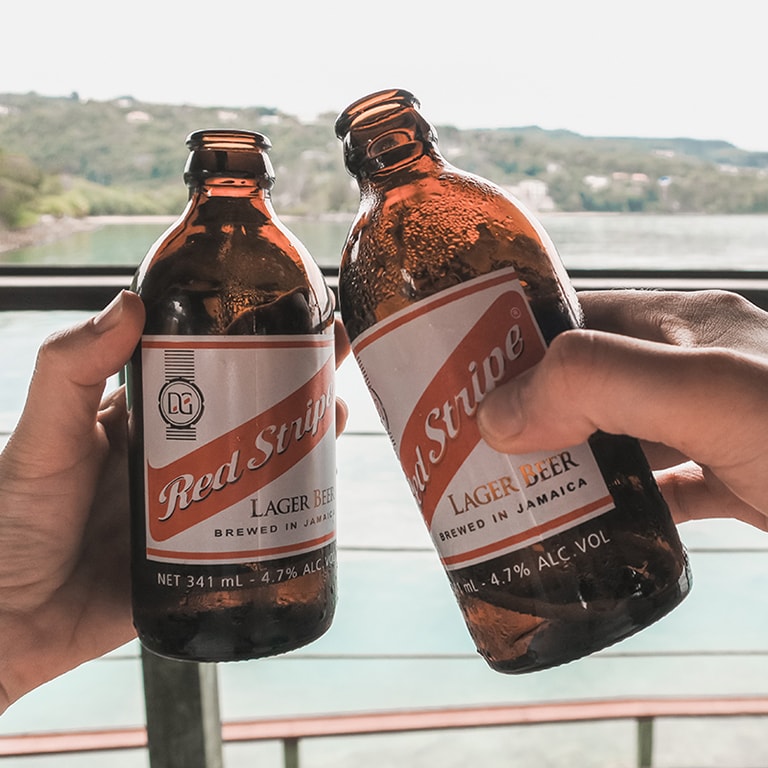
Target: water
x=585 y=241
x=398 y=639
x=660 y=242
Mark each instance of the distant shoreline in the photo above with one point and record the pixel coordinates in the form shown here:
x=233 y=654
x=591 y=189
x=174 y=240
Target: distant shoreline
x=47 y=230
x=50 y=229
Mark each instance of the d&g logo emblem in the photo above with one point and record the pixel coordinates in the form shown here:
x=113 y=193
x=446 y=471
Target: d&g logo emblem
x=181 y=403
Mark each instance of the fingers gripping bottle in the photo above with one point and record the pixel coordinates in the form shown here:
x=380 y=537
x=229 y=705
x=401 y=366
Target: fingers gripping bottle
x=231 y=422
x=447 y=290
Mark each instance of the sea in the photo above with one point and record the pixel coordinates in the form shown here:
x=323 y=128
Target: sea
x=398 y=640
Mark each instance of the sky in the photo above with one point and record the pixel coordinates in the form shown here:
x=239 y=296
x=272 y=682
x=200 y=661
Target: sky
x=653 y=69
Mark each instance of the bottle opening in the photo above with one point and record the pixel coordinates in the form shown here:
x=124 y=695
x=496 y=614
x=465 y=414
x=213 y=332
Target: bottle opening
x=231 y=154
x=227 y=140
x=383 y=132
x=374 y=107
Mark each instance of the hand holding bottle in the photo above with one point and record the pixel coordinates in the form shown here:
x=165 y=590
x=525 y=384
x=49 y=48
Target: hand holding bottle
x=64 y=574
x=687 y=373
x=447 y=289
x=64 y=557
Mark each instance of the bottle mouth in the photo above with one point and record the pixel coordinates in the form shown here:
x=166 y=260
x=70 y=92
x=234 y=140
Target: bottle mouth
x=232 y=154
x=227 y=140
x=383 y=132
x=374 y=108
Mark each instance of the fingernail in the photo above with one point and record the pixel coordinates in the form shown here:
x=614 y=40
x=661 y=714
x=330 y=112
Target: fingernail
x=109 y=317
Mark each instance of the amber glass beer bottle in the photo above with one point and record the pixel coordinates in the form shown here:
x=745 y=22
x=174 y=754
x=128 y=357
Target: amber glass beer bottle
x=231 y=422
x=448 y=289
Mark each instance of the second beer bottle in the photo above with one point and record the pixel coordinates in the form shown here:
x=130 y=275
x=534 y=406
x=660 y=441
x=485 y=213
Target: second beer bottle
x=447 y=290
x=232 y=422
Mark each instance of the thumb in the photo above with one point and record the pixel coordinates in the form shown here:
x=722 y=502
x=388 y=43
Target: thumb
x=69 y=379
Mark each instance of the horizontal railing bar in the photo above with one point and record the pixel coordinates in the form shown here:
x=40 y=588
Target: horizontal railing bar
x=90 y=287
x=66 y=270
x=502 y=715
x=127 y=271
x=468 y=655
x=400 y=721
x=43 y=743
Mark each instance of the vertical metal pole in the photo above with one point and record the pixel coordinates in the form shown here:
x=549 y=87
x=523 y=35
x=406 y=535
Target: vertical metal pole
x=644 y=742
x=291 y=752
x=183 y=720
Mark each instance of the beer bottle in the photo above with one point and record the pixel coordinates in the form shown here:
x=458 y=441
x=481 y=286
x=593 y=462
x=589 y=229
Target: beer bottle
x=232 y=422
x=448 y=289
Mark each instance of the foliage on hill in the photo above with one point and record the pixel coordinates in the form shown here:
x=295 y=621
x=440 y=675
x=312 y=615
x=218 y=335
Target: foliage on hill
x=69 y=157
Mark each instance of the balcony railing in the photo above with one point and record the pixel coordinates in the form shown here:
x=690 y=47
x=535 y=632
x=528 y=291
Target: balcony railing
x=167 y=684
x=291 y=731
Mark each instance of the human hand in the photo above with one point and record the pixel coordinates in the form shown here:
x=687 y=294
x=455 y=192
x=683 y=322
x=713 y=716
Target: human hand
x=64 y=513
x=686 y=373
x=64 y=556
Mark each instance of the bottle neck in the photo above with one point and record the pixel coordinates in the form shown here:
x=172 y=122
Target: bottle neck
x=384 y=134
x=229 y=164
x=227 y=187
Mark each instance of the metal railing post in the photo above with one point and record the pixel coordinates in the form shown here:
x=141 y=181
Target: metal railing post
x=183 y=720
x=644 y=742
x=291 y=752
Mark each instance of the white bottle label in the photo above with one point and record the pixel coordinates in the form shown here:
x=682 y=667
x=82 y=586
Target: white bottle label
x=427 y=368
x=239 y=446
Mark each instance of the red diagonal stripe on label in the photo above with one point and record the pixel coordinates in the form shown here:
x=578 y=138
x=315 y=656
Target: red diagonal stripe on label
x=442 y=432
x=240 y=462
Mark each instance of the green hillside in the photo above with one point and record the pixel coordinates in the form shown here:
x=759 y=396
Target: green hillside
x=69 y=157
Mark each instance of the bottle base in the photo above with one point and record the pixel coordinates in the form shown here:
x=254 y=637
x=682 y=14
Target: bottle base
x=551 y=644
x=220 y=636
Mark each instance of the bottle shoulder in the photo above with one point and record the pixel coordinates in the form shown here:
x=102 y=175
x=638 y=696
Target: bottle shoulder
x=233 y=277
x=451 y=205
x=425 y=225
x=431 y=235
